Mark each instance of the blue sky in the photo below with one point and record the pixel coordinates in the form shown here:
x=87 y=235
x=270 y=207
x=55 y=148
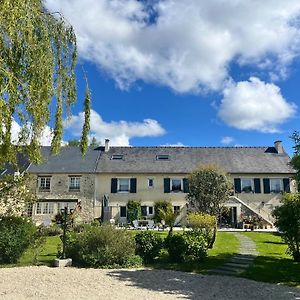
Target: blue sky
x=198 y=74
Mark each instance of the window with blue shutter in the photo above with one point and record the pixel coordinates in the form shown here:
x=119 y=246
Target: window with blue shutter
x=166 y=185
x=132 y=185
x=266 y=182
x=237 y=185
x=114 y=185
x=257 y=188
x=286 y=185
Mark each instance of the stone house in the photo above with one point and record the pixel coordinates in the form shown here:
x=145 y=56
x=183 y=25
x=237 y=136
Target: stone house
x=101 y=184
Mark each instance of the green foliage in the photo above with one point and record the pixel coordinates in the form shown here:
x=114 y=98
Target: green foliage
x=101 y=246
x=209 y=190
x=84 y=142
x=37 y=70
x=176 y=247
x=15 y=194
x=74 y=143
x=168 y=216
x=94 y=143
x=295 y=161
x=288 y=222
x=134 y=211
x=204 y=223
x=158 y=206
x=52 y=230
x=148 y=245
x=16 y=235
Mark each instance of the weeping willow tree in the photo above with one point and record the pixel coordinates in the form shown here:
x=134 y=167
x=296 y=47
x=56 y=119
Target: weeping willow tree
x=37 y=76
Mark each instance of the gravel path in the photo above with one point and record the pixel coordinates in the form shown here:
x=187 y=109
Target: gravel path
x=72 y=283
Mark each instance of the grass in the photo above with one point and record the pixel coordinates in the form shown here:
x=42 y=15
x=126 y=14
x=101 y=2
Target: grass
x=225 y=246
x=273 y=263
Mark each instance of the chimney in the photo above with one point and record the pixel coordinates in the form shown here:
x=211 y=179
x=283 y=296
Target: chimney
x=278 y=146
x=106 y=145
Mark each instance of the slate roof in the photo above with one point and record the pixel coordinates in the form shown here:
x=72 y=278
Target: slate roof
x=185 y=159
x=22 y=164
x=69 y=160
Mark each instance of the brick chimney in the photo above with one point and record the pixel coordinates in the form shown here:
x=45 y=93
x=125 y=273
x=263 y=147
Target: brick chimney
x=278 y=146
x=106 y=145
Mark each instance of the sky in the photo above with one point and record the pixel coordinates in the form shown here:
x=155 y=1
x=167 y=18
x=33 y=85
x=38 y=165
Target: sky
x=187 y=73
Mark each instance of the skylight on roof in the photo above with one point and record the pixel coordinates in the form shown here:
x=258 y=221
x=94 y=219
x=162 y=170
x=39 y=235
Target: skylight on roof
x=162 y=157
x=117 y=157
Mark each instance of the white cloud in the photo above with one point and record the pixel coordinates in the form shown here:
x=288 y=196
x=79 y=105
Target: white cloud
x=226 y=140
x=119 y=132
x=191 y=43
x=255 y=105
x=45 y=138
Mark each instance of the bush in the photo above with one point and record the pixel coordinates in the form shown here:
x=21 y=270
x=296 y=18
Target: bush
x=16 y=235
x=148 y=245
x=176 y=247
x=196 y=244
x=51 y=230
x=101 y=246
x=288 y=222
x=134 y=211
x=205 y=223
x=161 y=206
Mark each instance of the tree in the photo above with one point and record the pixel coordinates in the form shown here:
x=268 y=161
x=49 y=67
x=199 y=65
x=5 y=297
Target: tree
x=169 y=216
x=209 y=189
x=288 y=222
x=15 y=194
x=37 y=72
x=94 y=143
x=74 y=143
x=295 y=161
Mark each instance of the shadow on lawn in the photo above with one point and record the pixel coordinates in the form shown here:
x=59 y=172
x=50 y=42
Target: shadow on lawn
x=274 y=270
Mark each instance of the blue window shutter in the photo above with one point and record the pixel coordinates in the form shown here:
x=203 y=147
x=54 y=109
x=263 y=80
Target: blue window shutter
x=237 y=185
x=132 y=185
x=114 y=185
x=186 y=186
x=286 y=185
x=266 y=185
x=166 y=185
x=257 y=188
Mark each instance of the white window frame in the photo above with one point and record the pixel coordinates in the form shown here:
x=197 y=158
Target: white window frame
x=118 y=187
x=280 y=184
x=62 y=204
x=251 y=182
x=43 y=187
x=150 y=186
x=162 y=157
x=117 y=157
x=181 y=185
x=76 y=185
x=44 y=208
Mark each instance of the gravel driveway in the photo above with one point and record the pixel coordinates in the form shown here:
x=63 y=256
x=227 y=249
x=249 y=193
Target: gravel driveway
x=73 y=283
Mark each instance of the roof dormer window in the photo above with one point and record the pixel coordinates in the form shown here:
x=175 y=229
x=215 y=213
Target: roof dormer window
x=162 y=157
x=116 y=157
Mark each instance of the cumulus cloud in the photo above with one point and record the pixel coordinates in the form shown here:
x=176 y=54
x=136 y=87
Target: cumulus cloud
x=45 y=138
x=185 y=45
x=226 y=140
x=255 y=105
x=119 y=132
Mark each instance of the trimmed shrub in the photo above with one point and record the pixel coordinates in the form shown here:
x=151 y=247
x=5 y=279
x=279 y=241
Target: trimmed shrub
x=148 y=245
x=101 y=246
x=16 y=235
x=134 y=211
x=51 y=230
x=196 y=244
x=161 y=206
x=176 y=247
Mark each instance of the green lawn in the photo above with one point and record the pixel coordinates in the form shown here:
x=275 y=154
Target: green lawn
x=272 y=264
x=225 y=246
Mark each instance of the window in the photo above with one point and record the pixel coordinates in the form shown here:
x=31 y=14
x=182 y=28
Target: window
x=150 y=182
x=69 y=205
x=275 y=185
x=176 y=185
x=150 y=210
x=28 y=209
x=176 y=208
x=144 y=211
x=123 y=212
x=74 y=183
x=44 y=208
x=162 y=157
x=44 y=183
x=246 y=184
x=123 y=185
x=116 y=157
